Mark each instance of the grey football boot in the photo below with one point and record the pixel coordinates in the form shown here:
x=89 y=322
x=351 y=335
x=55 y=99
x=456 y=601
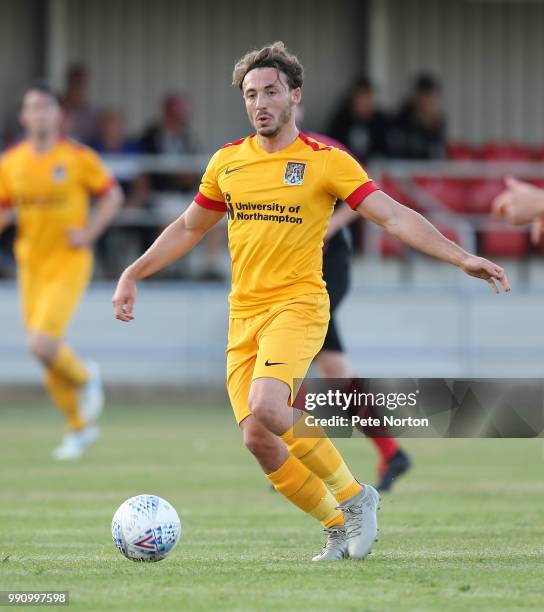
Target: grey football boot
x=335 y=547
x=361 y=521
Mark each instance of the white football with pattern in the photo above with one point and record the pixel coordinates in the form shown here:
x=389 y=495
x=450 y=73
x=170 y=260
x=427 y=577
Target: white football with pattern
x=145 y=528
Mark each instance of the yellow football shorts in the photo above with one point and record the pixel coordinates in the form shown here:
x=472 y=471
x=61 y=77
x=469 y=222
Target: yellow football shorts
x=280 y=343
x=51 y=291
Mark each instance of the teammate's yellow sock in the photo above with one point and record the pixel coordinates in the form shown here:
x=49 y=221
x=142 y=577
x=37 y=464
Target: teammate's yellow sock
x=64 y=395
x=304 y=489
x=320 y=456
x=68 y=365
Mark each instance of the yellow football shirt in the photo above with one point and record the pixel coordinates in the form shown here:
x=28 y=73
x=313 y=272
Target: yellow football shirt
x=50 y=193
x=278 y=206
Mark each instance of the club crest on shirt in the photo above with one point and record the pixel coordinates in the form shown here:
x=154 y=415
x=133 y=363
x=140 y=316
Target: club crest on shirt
x=59 y=173
x=294 y=173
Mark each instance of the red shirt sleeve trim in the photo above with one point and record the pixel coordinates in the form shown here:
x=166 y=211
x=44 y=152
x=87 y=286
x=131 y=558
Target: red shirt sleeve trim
x=355 y=198
x=205 y=202
x=234 y=143
x=316 y=146
x=103 y=190
x=5 y=204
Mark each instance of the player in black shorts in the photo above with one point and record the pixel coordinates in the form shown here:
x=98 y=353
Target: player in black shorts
x=336 y=262
x=331 y=360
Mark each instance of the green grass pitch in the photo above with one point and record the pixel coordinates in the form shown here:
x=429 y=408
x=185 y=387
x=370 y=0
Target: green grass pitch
x=464 y=531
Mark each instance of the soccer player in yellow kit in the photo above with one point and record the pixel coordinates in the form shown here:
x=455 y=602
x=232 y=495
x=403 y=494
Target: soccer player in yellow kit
x=278 y=188
x=47 y=180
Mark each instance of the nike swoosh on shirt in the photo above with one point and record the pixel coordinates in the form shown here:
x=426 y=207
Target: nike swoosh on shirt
x=229 y=170
x=271 y=363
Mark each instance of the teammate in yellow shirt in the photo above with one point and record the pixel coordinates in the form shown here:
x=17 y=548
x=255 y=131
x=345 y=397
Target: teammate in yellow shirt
x=278 y=188
x=47 y=182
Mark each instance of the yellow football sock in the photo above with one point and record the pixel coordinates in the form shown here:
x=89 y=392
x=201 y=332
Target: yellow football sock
x=320 y=456
x=304 y=489
x=68 y=365
x=64 y=395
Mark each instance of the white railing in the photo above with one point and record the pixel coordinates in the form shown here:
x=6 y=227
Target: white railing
x=401 y=171
x=165 y=207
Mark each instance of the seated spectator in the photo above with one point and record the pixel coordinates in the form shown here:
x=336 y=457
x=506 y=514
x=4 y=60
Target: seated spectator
x=171 y=135
x=419 y=129
x=110 y=138
x=358 y=124
x=80 y=117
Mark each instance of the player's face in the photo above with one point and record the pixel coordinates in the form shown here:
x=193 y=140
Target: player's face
x=40 y=114
x=269 y=100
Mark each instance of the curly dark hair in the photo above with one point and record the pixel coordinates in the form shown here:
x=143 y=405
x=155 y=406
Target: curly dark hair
x=271 y=56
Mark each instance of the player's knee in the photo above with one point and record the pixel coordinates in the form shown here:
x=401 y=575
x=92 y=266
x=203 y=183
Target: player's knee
x=333 y=364
x=255 y=441
x=329 y=370
x=41 y=348
x=262 y=407
x=322 y=363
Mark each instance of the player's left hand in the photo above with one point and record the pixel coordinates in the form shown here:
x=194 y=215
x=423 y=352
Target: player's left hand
x=78 y=238
x=487 y=270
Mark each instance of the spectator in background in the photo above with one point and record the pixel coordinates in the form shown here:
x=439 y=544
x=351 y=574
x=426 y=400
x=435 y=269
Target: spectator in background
x=358 y=124
x=171 y=134
x=361 y=127
x=80 y=117
x=110 y=137
x=419 y=129
x=112 y=140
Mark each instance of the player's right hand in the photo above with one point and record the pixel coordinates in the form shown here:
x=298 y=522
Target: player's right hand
x=124 y=298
